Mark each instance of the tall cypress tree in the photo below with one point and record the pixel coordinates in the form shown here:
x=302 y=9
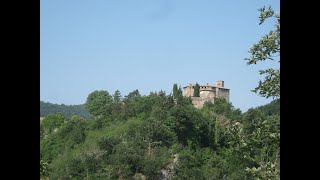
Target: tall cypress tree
x=196 y=92
x=175 y=91
x=180 y=92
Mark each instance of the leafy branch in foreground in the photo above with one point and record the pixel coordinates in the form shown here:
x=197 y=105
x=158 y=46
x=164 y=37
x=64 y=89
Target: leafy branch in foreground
x=268 y=48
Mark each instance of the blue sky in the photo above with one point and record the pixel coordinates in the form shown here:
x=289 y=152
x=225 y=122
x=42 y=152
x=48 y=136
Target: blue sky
x=149 y=45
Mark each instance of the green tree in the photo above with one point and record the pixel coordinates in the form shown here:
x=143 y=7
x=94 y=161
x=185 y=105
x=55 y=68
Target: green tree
x=191 y=127
x=117 y=96
x=180 y=91
x=132 y=104
x=51 y=122
x=189 y=166
x=259 y=148
x=221 y=106
x=73 y=132
x=75 y=168
x=268 y=48
x=116 y=107
x=152 y=165
x=196 y=92
x=156 y=129
x=259 y=142
x=99 y=103
x=175 y=91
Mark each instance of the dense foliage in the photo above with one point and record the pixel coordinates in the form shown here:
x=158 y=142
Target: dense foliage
x=47 y=108
x=157 y=137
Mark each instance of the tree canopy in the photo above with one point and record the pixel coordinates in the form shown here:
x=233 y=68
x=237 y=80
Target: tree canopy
x=99 y=103
x=154 y=137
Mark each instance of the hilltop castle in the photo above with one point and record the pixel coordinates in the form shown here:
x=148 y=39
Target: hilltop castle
x=208 y=92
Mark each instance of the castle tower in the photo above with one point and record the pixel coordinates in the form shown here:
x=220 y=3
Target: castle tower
x=220 y=83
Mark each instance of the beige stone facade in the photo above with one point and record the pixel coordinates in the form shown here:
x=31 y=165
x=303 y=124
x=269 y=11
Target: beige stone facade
x=208 y=92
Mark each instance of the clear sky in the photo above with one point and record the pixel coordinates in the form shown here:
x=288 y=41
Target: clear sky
x=149 y=45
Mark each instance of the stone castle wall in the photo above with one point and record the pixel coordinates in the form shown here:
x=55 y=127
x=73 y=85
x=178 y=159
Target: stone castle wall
x=207 y=93
x=198 y=102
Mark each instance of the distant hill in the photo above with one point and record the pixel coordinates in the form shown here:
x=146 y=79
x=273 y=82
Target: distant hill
x=272 y=108
x=47 y=108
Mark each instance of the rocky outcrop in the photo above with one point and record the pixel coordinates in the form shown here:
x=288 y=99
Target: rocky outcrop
x=169 y=172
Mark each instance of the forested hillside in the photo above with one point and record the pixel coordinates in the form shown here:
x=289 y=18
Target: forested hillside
x=47 y=108
x=161 y=137
x=272 y=108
